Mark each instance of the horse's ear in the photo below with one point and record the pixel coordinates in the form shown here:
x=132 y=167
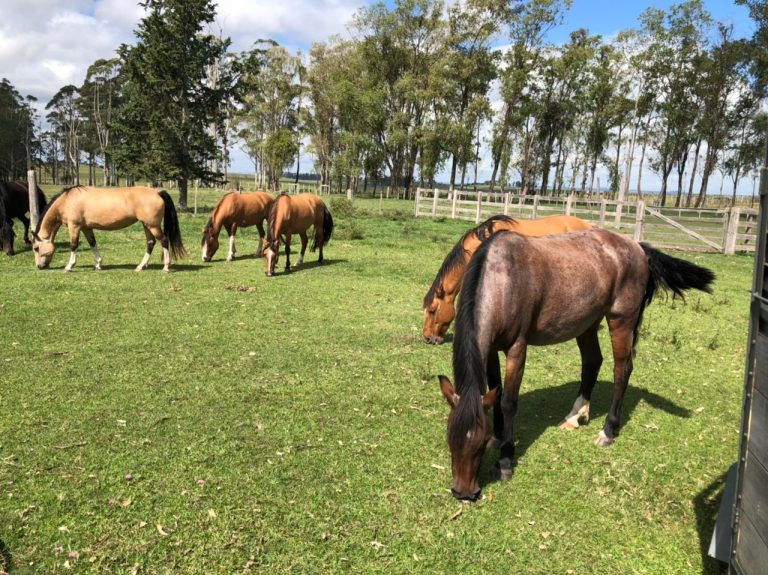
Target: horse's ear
x=37 y=238
x=440 y=292
x=489 y=398
x=448 y=392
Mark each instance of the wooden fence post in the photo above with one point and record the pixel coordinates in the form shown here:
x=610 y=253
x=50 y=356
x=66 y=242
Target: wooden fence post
x=568 y=202
x=34 y=209
x=602 y=213
x=639 y=220
x=506 y=204
x=454 y=197
x=479 y=207
x=732 y=230
x=535 y=207
x=435 y=197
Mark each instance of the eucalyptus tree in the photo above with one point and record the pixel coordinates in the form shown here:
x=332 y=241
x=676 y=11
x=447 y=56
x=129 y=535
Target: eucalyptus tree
x=526 y=26
x=101 y=99
x=65 y=118
x=18 y=143
x=399 y=49
x=747 y=146
x=269 y=118
x=164 y=127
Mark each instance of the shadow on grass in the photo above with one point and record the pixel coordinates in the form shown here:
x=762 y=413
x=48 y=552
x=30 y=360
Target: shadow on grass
x=6 y=560
x=542 y=409
x=707 y=505
x=307 y=265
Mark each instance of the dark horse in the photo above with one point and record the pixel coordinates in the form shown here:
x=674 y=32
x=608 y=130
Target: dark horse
x=521 y=291
x=6 y=230
x=16 y=196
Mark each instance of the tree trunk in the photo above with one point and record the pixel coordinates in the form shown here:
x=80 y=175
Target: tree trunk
x=183 y=182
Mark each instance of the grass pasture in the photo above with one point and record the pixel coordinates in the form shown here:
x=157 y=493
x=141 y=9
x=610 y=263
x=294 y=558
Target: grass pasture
x=214 y=420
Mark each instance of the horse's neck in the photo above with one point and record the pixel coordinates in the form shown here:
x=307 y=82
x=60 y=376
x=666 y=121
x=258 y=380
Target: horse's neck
x=50 y=224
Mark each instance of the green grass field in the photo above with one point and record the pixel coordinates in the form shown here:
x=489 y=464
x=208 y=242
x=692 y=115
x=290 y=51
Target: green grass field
x=214 y=420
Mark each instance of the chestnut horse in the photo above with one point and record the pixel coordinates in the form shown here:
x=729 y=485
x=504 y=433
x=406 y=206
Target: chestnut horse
x=234 y=211
x=16 y=197
x=439 y=309
x=85 y=209
x=294 y=215
x=521 y=291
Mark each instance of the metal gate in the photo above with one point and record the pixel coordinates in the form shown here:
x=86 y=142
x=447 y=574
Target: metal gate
x=749 y=542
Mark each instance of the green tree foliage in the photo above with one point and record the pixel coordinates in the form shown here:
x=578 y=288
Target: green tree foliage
x=17 y=139
x=164 y=129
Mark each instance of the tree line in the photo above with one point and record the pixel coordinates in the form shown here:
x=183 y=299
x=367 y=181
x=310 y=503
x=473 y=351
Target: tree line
x=419 y=89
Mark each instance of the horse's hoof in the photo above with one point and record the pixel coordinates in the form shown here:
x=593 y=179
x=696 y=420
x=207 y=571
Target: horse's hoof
x=67 y=270
x=603 y=440
x=166 y=270
x=503 y=470
x=570 y=424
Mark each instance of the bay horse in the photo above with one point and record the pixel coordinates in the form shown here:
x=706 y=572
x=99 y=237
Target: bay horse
x=16 y=196
x=235 y=211
x=294 y=215
x=520 y=291
x=439 y=307
x=84 y=209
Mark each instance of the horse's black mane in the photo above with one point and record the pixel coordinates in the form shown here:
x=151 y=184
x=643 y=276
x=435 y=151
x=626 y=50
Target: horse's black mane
x=468 y=361
x=49 y=204
x=456 y=256
x=271 y=240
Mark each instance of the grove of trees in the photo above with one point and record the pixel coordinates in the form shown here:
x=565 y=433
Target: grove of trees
x=420 y=90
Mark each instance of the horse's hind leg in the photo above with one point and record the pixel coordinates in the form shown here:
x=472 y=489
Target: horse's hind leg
x=150 y=246
x=260 y=247
x=622 y=333
x=591 y=360
x=493 y=373
x=303 y=236
x=92 y=242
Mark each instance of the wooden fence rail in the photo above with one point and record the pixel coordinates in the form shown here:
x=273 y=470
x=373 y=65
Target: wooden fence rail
x=726 y=230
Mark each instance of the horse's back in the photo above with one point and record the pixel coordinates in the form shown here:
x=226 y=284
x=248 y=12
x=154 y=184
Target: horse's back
x=113 y=208
x=251 y=208
x=555 y=287
x=546 y=226
x=306 y=210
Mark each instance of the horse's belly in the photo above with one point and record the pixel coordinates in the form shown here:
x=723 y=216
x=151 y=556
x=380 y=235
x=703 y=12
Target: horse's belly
x=109 y=222
x=563 y=328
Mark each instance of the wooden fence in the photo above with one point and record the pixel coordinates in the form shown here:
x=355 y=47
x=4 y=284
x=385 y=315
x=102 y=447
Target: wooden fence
x=725 y=230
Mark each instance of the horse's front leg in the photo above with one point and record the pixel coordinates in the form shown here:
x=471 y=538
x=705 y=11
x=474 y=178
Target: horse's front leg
x=303 y=236
x=493 y=374
x=88 y=233
x=25 y=220
x=591 y=360
x=287 y=252
x=512 y=380
x=622 y=334
x=151 y=240
x=231 y=231
x=74 y=241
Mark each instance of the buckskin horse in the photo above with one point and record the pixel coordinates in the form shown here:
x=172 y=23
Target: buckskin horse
x=84 y=209
x=295 y=215
x=16 y=196
x=439 y=307
x=521 y=291
x=235 y=211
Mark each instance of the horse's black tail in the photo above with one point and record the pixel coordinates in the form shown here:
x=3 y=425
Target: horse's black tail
x=327 y=228
x=171 y=227
x=672 y=274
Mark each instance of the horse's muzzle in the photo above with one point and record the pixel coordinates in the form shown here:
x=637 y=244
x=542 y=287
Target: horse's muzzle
x=433 y=339
x=466 y=496
x=42 y=266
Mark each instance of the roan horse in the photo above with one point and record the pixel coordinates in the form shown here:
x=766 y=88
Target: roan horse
x=86 y=209
x=16 y=197
x=439 y=309
x=294 y=215
x=235 y=211
x=521 y=291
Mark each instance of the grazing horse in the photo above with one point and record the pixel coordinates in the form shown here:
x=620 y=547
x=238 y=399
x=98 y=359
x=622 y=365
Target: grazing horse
x=85 y=209
x=234 y=211
x=16 y=196
x=6 y=230
x=439 y=309
x=294 y=215
x=521 y=291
